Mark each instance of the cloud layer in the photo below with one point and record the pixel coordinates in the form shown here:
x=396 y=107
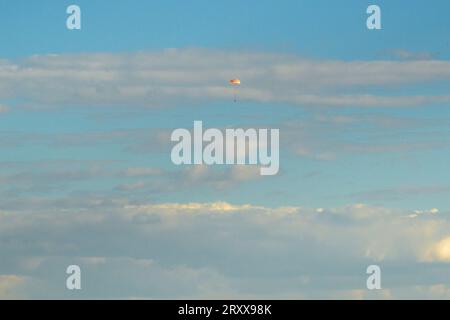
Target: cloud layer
x=152 y=79
x=222 y=250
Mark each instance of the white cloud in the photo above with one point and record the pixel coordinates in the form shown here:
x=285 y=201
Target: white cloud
x=191 y=208
x=182 y=75
x=288 y=251
x=439 y=251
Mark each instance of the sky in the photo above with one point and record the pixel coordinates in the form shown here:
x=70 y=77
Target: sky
x=85 y=170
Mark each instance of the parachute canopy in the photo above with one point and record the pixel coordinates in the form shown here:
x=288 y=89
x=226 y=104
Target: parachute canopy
x=235 y=83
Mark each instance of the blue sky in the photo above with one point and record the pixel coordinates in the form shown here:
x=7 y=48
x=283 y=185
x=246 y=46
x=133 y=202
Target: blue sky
x=86 y=116
x=311 y=28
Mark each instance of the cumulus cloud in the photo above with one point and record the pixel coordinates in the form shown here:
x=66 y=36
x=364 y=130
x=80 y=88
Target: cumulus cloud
x=440 y=251
x=222 y=249
x=181 y=75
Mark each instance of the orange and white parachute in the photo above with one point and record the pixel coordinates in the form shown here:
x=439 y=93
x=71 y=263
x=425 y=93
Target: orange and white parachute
x=235 y=83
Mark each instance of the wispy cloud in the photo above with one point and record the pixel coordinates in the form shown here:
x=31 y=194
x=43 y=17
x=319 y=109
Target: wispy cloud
x=408 y=55
x=152 y=79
